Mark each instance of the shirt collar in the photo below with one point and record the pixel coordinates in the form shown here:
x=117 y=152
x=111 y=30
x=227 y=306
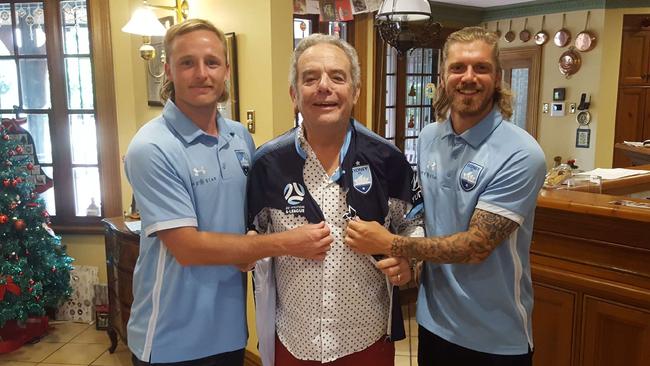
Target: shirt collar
x=189 y=131
x=301 y=142
x=477 y=134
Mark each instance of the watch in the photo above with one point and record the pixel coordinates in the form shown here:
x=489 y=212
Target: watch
x=583 y=118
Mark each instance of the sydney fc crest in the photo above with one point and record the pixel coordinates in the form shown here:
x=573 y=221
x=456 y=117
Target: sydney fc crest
x=469 y=176
x=362 y=178
x=244 y=162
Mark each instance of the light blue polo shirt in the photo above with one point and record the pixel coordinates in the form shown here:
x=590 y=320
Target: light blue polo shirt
x=184 y=177
x=497 y=167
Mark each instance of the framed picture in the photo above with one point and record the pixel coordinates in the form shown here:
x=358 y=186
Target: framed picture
x=156 y=67
x=230 y=108
x=583 y=136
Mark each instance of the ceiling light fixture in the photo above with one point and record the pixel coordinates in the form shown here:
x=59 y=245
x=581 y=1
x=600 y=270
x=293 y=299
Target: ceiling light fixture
x=406 y=24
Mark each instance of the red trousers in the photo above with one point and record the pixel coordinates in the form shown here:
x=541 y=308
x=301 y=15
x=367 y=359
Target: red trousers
x=380 y=353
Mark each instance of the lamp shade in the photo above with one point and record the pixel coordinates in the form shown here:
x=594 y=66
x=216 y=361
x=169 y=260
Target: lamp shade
x=144 y=22
x=404 y=10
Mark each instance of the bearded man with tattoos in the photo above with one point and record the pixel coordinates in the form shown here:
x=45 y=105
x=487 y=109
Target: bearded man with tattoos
x=480 y=177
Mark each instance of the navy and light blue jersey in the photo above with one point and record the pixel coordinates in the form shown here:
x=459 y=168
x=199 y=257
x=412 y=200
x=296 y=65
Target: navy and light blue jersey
x=182 y=177
x=371 y=170
x=497 y=167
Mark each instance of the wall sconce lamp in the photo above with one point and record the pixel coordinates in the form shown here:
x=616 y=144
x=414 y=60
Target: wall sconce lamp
x=144 y=22
x=406 y=24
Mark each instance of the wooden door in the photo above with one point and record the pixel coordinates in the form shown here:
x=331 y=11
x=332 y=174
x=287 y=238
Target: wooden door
x=553 y=333
x=630 y=115
x=615 y=334
x=635 y=58
x=521 y=71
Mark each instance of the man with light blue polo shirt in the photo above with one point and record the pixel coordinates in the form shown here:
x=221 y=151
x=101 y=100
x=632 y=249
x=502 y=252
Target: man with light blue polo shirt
x=188 y=169
x=480 y=177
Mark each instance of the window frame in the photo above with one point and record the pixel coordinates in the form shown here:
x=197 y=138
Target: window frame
x=101 y=57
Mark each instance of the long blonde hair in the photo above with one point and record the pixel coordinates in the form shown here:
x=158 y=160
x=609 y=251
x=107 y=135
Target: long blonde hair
x=502 y=95
x=188 y=26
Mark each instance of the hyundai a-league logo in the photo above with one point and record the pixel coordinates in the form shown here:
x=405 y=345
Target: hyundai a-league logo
x=294 y=193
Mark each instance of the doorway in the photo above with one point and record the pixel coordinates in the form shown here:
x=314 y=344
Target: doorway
x=521 y=71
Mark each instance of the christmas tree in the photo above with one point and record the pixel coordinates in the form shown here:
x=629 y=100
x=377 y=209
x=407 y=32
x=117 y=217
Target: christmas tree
x=34 y=267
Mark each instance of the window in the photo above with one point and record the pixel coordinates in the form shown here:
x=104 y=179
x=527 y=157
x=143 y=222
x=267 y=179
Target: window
x=410 y=86
x=56 y=71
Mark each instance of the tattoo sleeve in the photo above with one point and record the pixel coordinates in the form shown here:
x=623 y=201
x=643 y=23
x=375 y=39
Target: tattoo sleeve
x=486 y=231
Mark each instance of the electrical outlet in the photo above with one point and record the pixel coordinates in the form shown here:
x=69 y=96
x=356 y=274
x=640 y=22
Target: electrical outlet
x=250 y=121
x=545 y=108
x=572 y=108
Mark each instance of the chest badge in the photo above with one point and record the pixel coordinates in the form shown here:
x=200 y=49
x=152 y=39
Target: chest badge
x=362 y=178
x=244 y=161
x=469 y=176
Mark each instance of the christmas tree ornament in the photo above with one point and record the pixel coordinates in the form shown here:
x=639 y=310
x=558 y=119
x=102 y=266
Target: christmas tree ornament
x=20 y=224
x=3 y=219
x=7 y=285
x=6 y=182
x=19 y=149
x=30 y=166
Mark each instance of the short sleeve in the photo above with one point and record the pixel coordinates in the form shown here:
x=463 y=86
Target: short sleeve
x=513 y=191
x=160 y=192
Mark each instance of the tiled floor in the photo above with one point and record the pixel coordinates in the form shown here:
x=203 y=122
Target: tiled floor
x=69 y=343
x=406 y=350
x=79 y=344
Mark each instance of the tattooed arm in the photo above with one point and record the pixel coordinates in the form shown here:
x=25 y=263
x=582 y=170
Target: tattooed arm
x=486 y=231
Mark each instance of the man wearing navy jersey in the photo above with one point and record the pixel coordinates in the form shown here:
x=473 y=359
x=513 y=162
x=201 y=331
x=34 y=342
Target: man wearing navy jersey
x=338 y=311
x=480 y=178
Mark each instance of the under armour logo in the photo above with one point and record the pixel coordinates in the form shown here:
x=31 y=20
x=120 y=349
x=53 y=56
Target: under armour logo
x=198 y=171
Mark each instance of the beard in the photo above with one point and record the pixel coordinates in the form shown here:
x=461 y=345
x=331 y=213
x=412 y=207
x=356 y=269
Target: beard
x=470 y=105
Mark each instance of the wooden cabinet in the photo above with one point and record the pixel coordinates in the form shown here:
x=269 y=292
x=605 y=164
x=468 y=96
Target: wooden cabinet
x=615 y=326
x=122 y=248
x=553 y=324
x=633 y=104
x=591 y=274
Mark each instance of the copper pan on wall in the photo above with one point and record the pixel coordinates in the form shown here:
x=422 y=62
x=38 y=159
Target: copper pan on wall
x=585 y=40
x=563 y=36
x=510 y=35
x=541 y=37
x=525 y=35
x=569 y=62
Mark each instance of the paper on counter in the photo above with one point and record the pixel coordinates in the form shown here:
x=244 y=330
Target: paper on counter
x=133 y=226
x=633 y=143
x=615 y=173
